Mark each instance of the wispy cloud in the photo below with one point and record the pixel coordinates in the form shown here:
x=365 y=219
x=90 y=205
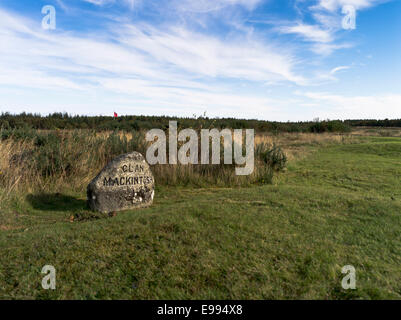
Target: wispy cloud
x=308 y=32
x=168 y=66
x=355 y=107
x=326 y=49
x=143 y=50
x=337 y=69
x=333 y=5
x=213 y=5
x=327 y=16
x=200 y=6
x=206 y=55
x=129 y=3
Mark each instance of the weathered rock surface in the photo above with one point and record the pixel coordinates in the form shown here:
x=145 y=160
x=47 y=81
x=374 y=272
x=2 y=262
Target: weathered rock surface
x=125 y=183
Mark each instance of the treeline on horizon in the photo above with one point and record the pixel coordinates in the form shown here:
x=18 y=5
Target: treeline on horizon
x=103 y=123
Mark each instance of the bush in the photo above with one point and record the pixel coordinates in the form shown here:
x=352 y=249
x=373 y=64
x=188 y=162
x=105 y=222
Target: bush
x=272 y=156
x=22 y=133
x=329 y=126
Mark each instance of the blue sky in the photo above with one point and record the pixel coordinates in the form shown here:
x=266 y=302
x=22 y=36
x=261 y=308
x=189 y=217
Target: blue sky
x=266 y=59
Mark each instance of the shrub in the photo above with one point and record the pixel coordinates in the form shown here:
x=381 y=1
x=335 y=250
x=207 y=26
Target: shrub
x=329 y=126
x=272 y=156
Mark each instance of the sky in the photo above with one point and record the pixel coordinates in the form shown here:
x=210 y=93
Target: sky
x=277 y=60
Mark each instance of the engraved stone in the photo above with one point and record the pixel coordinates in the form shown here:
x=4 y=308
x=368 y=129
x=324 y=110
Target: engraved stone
x=123 y=184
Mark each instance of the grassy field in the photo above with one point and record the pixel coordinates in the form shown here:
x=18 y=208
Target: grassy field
x=338 y=204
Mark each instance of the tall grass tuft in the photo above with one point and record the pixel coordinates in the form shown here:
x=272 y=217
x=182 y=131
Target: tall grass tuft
x=38 y=161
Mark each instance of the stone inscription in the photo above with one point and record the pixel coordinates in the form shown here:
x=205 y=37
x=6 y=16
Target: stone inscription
x=128 y=180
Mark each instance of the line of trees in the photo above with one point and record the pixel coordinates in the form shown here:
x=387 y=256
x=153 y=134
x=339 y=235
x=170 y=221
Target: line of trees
x=129 y=123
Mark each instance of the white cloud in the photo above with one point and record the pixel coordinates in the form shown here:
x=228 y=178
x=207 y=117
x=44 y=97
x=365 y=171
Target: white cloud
x=204 y=6
x=355 y=107
x=168 y=69
x=337 y=69
x=200 y=6
x=144 y=51
x=140 y=64
x=333 y=5
x=309 y=32
x=208 y=56
x=129 y=3
x=328 y=23
x=326 y=49
x=99 y=2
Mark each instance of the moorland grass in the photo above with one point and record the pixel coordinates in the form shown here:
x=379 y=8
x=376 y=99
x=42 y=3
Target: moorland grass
x=42 y=161
x=340 y=205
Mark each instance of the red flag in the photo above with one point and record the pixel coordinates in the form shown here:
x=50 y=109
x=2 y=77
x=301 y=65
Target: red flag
x=115 y=115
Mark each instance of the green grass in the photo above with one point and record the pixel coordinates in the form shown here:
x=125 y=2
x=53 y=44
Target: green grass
x=341 y=205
